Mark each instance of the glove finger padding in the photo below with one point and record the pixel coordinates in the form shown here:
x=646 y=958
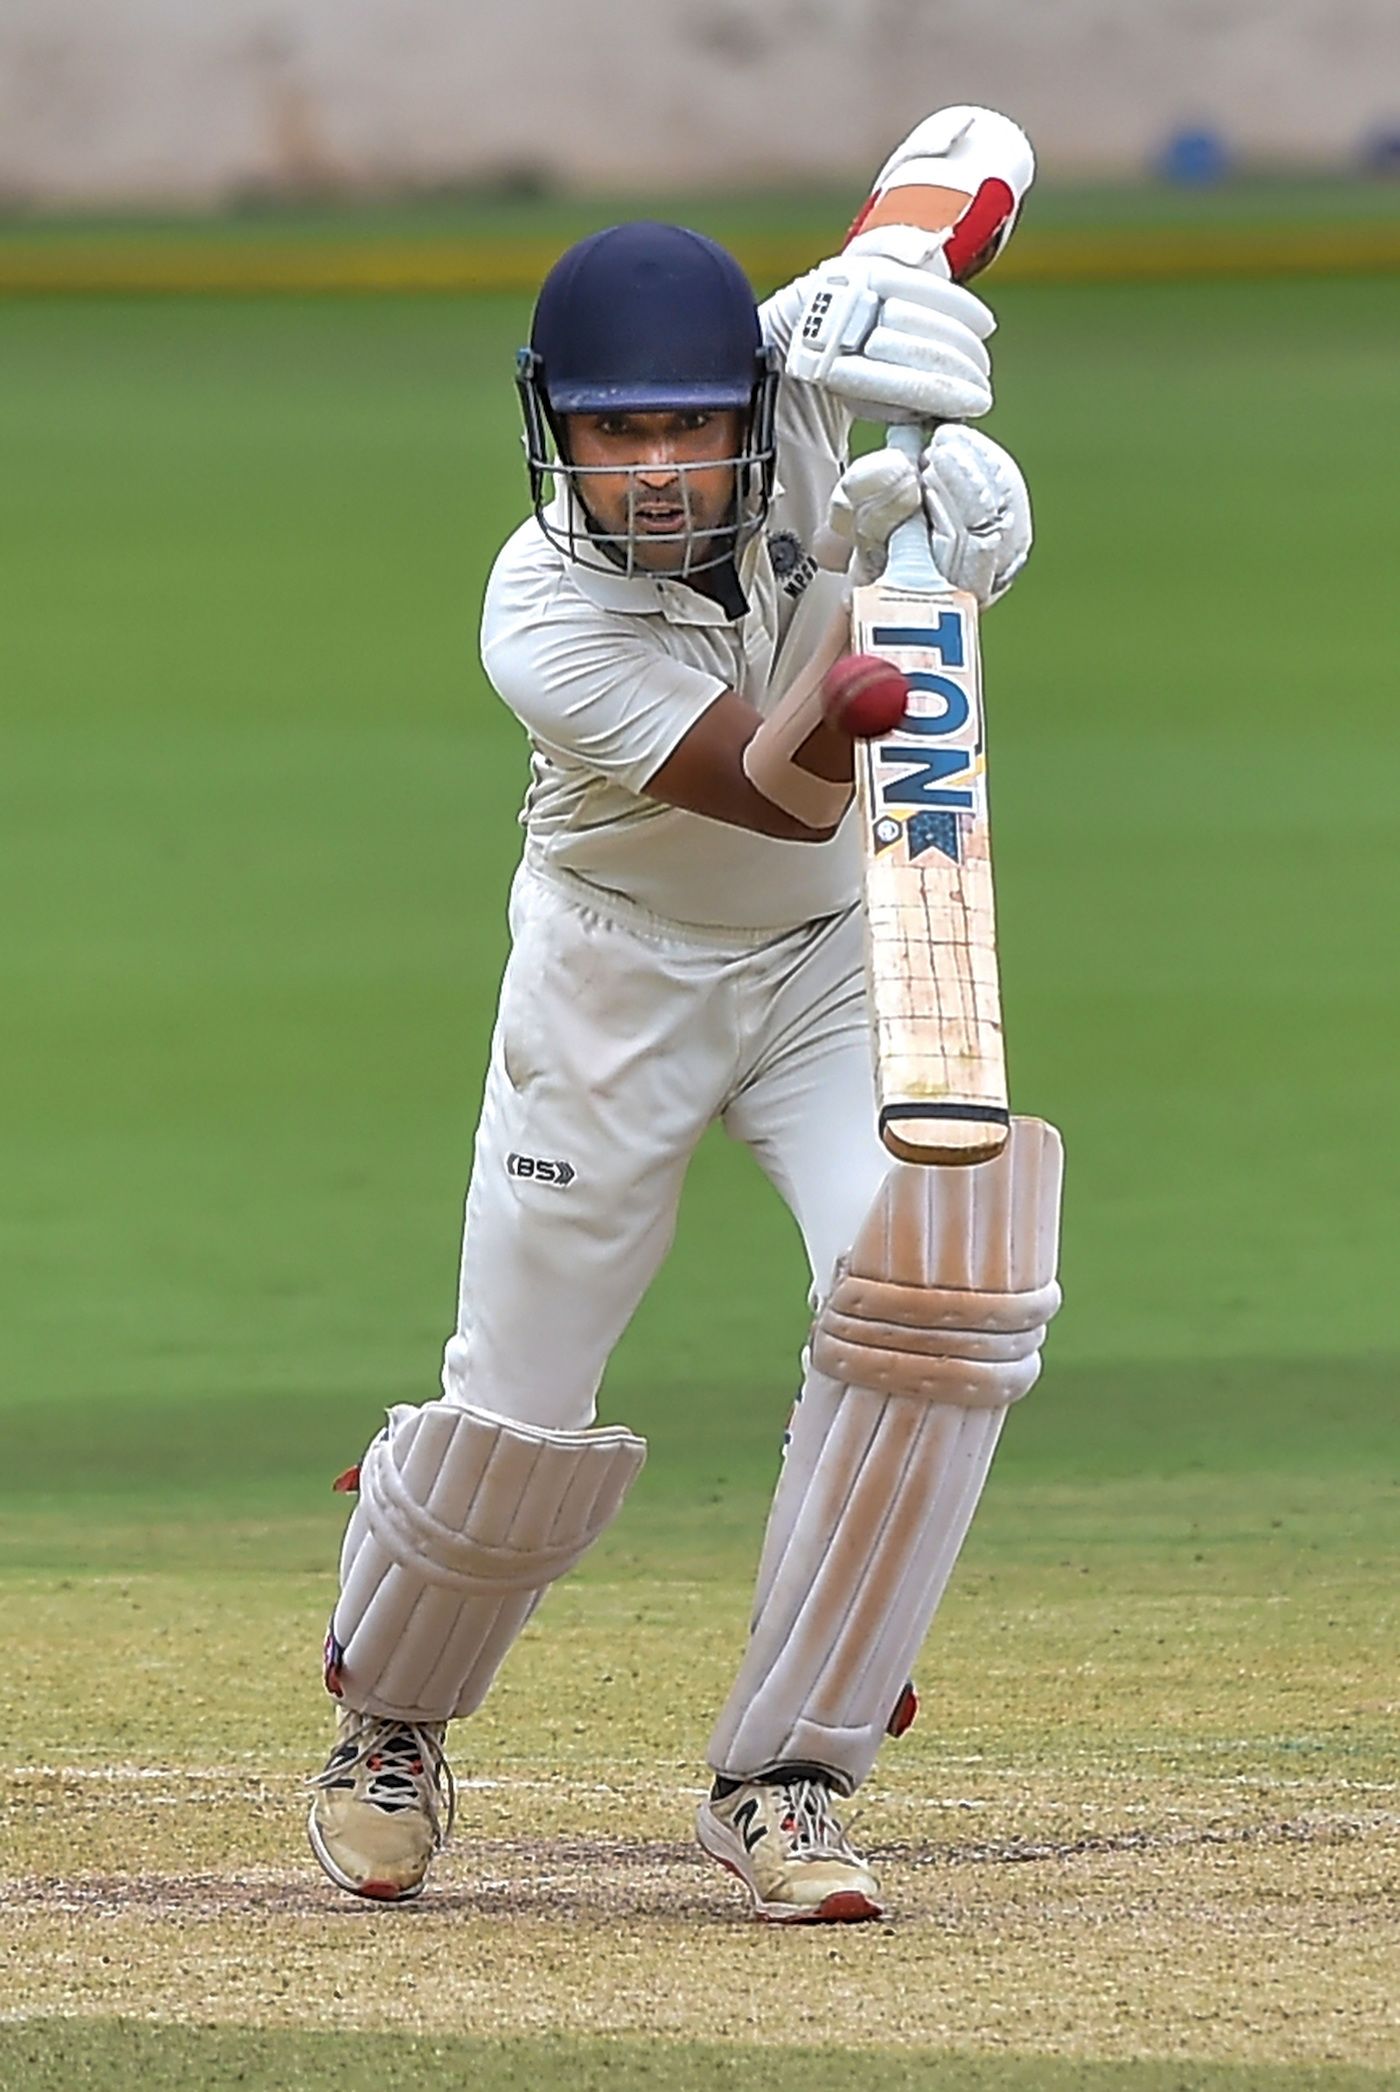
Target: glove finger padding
x=922 y=322
x=979 y=511
x=895 y=283
x=873 y=496
x=910 y=394
x=906 y=340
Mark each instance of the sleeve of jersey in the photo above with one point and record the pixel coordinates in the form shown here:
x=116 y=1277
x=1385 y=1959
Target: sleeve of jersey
x=808 y=417
x=596 y=691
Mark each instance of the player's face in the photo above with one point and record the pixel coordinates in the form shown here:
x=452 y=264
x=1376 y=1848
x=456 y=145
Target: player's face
x=663 y=482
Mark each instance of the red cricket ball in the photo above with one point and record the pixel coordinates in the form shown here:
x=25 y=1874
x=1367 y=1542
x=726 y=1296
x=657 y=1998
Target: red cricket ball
x=863 y=696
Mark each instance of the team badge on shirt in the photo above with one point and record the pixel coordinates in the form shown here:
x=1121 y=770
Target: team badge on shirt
x=793 y=564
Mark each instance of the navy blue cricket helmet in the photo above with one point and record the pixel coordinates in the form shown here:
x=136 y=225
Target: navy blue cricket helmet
x=648 y=318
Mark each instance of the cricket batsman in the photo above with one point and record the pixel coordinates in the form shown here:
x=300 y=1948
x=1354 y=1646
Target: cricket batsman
x=668 y=626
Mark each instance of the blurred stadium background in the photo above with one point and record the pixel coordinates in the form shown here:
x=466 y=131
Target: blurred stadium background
x=1270 y=126
x=256 y=824
x=117 y=101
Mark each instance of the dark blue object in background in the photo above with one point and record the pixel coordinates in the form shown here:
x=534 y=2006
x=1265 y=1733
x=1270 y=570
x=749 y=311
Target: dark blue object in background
x=1196 y=155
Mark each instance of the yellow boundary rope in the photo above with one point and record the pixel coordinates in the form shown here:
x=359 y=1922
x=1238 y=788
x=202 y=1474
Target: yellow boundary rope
x=127 y=266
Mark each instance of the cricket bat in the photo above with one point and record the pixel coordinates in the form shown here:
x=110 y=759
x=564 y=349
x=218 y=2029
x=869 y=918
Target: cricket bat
x=930 y=923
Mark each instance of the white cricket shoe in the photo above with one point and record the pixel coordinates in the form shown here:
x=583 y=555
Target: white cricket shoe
x=785 y=1843
x=383 y=1805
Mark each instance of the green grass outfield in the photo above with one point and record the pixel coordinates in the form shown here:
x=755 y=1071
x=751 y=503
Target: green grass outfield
x=256 y=824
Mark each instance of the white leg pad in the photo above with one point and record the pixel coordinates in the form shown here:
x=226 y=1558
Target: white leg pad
x=933 y=1328
x=464 y=1520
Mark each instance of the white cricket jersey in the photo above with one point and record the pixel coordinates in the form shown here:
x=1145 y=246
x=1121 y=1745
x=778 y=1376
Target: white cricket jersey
x=608 y=672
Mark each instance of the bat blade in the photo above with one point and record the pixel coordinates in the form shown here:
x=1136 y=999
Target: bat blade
x=931 y=958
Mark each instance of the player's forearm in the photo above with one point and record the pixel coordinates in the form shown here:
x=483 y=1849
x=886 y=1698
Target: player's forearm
x=710 y=774
x=791 y=773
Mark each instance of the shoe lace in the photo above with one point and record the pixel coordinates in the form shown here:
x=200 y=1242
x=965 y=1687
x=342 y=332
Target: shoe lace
x=400 y=1756
x=812 y=1825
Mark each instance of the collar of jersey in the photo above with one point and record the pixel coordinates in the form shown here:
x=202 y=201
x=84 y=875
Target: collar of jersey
x=677 y=601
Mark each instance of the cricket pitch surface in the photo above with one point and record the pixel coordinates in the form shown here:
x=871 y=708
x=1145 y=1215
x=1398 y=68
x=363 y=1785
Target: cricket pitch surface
x=1144 y=1834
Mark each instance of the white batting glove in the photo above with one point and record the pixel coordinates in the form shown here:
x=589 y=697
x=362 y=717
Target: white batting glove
x=979 y=511
x=884 y=328
x=869 y=502
x=972 y=494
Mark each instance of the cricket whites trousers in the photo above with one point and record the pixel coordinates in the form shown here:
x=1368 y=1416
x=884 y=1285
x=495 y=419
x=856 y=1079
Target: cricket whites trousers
x=619 y=1039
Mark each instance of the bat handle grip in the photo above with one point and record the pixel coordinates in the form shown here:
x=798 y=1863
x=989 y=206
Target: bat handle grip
x=911 y=562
